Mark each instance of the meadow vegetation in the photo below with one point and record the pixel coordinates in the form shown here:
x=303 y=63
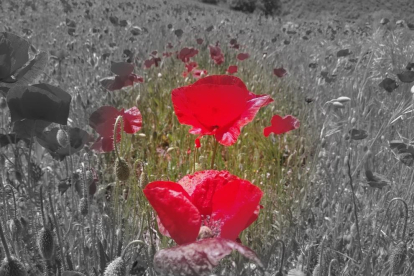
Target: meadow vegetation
x=337 y=190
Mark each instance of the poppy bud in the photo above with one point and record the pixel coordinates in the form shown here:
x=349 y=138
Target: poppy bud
x=205 y=233
x=45 y=243
x=121 y=169
x=12 y=267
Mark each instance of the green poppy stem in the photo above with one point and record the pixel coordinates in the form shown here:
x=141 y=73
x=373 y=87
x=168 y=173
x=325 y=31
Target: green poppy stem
x=121 y=120
x=29 y=163
x=214 y=153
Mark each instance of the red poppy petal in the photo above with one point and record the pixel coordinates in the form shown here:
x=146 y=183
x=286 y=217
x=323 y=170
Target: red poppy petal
x=222 y=80
x=208 y=113
x=135 y=78
x=254 y=216
x=173 y=205
x=198 y=73
x=202 y=185
x=281 y=125
x=200 y=41
x=232 y=69
x=198 y=258
x=243 y=56
x=233 y=206
x=148 y=63
x=280 y=72
x=186 y=53
x=197 y=141
x=123 y=69
x=103 y=144
x=103 y=119
x=162 y=229
x=228 y=136
x=132 y=120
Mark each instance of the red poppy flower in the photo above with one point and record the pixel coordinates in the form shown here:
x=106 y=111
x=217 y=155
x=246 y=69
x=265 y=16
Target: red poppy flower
x=103 y=121
x=190 y=66
x=281 y=125
x=280 y=72
x=216 y=55
x=152 y=61
x=198 y=73
x=234 y=44
x=169 y=45
x=218 y=105
x=243 y=56
x=200 y=41
x=217 y=199
x=186 y=53
x=232 y=69
x=124 y=76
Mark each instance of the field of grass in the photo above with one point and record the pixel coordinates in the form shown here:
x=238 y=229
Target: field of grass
x=328 y=186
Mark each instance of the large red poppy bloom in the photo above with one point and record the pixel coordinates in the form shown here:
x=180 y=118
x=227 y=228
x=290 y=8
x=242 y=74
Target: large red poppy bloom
x=216 y=199
x=218 y=105
x=103 y=121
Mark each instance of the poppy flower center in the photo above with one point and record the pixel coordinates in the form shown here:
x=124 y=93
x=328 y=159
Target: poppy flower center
x=213 y=225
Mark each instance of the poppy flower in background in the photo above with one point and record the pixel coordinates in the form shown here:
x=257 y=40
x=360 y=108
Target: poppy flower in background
x=234 y=44
x=124 y=76
x=216 y=54
x=198 y=73
x=280 y=72
x=243 y=56
x=281 y=125
x=152 y=61
x=169 y=45
x=103 y=121
x=218 y=105
x=186 y=53
x=190 y=66
x=199 y=41
x=232 y=69
x=218 y=200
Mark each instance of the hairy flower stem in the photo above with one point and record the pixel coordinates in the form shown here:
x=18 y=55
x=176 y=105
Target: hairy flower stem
x=355 y=206
x=41 y=206
x=214 y=153
x=6 y=248
x=282 y=259
x=118 y=119
x=14 y=198
x=29 y=163
x=57 y=231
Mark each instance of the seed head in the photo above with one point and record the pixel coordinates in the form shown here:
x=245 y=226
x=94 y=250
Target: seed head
x=62 y=138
